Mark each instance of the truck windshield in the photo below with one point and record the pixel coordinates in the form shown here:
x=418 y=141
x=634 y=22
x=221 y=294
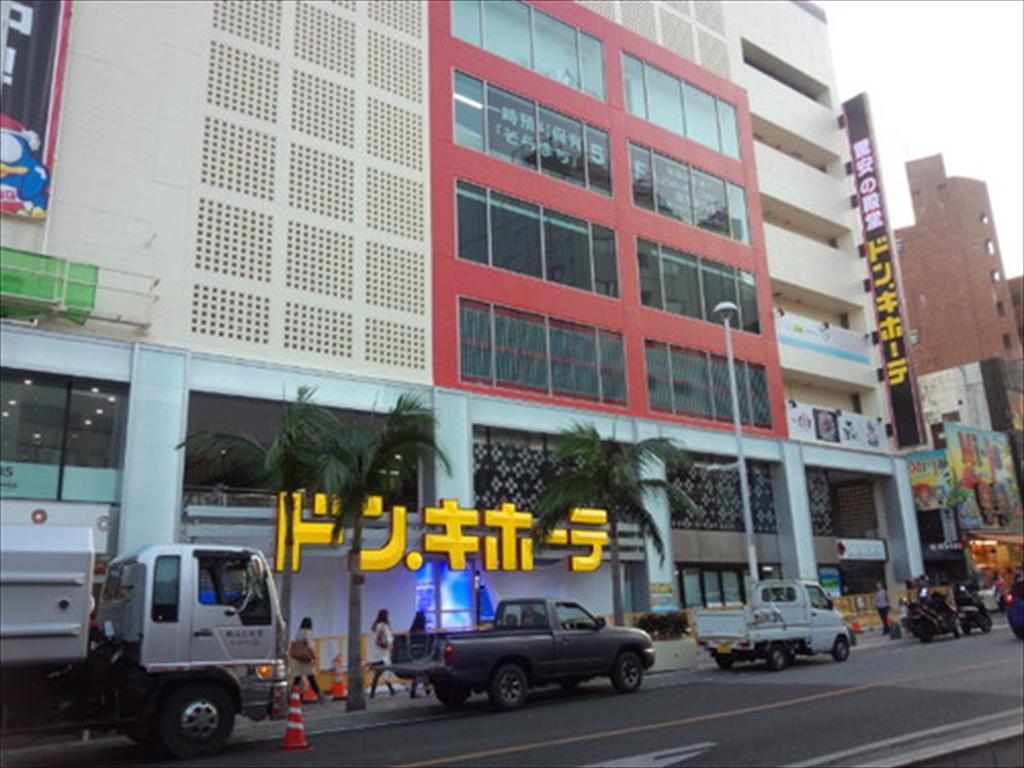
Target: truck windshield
x=522 y=615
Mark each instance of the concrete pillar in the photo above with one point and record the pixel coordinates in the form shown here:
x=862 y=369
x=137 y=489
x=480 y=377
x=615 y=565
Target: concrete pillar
x=662 y=585
x=793 y=515
x=454 y=434
x=904 y=542
x=153 y=466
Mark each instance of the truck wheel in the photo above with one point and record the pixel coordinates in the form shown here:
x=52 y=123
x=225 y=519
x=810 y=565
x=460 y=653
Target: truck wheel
x=777 y=657
x=508 y=687
x=196 y=720
x=627 y=673
x=451 y=696
x=841 y=649
x=724 y=660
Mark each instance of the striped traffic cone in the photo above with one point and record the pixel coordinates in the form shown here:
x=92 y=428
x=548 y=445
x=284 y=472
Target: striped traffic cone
x=307 y=691
x=340 y=689
x=295 y=732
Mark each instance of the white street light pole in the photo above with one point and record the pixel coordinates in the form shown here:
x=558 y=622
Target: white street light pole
x=726 y=309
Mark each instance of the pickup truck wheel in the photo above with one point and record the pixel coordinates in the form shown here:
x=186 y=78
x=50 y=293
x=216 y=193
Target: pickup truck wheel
x=777 y=657
x=451 y=696
x=196 y=720
x=724 y=660
x=508 y=687
x=628 y=673
x=841 y=649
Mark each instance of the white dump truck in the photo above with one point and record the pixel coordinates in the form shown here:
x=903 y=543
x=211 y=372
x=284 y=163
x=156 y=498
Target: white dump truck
x=786 y=618
x=185 y=638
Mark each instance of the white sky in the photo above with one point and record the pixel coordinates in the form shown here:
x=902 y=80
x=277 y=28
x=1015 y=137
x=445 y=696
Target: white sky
x=943 y=78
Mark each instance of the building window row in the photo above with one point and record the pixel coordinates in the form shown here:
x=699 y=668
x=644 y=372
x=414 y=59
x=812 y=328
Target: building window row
x=693 y=382
x=508 y=233
x=506 y=347
x=688 y=285
x=61 y=437
x=679 y=107
x=528 y=134
x=531 y=38
x=687 y=194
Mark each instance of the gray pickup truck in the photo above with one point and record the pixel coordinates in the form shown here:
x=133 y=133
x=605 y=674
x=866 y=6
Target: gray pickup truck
x=534 y=642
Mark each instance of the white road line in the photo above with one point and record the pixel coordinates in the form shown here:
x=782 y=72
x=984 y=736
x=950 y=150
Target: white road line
x=832 y=757
x=938 y=750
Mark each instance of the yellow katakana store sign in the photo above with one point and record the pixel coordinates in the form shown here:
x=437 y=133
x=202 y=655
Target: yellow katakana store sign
x=451 y=531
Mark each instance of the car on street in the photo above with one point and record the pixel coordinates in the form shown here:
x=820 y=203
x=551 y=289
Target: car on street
x=533 y=642
x=1015 y=607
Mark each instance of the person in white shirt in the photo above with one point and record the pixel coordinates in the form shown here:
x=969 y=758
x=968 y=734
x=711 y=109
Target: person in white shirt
x=882 y=606
x=381 y=640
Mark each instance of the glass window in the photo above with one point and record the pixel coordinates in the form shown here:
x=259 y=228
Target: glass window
x=709 y=205
x=727 y=129
x=818 y=598
x=567 y=250
x=471 y=212
x=690 y=382
x=555 y=55
x=759 y=396
x=613 y=367
x=520 y=349
x=606 y=271
x=573 y=360
x=701 y=117
x=672 y=188
x=664 y=104
x=515 y=235
x=469 y=112
x=650 y=274
x=633 y=74
x=466 y=20
x=643 y=184
x=511 y=127
x=659 y=393
x=743 y=391
x=712 y=589
x=719 y=284
x=732 y=593
x=475 y=342
x=561 y=146
x=507 y=30
x=233 y=581
x=691 y=588
x=599 y=173
x=571 y=616
x=682 y=283
x=748 y=301
x=97 y=413
x=166 y=581
x=737 y=214
x=722 y=394
x=32 y=433
x=592 y=57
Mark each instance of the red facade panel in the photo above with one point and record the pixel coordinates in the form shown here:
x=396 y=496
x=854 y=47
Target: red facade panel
x=454 y=278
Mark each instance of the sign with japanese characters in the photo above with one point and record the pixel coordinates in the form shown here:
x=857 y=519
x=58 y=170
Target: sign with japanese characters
x=33 y=57
x=498 y=539
x=882 y=272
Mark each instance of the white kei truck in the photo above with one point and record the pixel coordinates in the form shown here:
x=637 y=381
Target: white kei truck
x=185 y=637
x=785 y=618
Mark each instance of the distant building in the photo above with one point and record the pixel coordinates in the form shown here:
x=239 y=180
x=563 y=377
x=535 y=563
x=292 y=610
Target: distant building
x=1016 y=288
x=957 y=299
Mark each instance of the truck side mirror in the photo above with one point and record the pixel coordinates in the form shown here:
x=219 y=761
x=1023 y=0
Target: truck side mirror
x=601 y=622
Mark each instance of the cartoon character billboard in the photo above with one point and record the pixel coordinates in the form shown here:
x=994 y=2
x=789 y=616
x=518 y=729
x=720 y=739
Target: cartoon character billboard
x=981 y=471
x=929 y=479
x=34 y=55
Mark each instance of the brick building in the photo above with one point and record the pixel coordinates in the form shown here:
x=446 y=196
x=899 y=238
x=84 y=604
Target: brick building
x=1016 y=288
x=957 y=299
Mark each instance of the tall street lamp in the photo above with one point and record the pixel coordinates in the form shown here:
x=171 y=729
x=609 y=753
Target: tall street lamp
x=726 y=310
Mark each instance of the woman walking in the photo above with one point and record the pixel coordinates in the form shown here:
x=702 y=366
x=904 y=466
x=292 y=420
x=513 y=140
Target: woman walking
x=303 y=658
x=380 y=651
x=419 y=642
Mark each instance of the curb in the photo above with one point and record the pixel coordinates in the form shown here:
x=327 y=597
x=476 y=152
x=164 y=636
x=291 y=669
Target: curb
x=950 y=750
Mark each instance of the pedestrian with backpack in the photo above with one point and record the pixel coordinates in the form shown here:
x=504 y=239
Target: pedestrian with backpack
x=381 y=640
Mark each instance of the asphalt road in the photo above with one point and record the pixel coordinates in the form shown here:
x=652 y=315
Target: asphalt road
x=816 y=712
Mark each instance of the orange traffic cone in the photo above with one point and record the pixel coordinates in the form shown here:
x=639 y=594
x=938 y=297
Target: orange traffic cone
x=307 y=691
x=295 y=732
x=855 y=626
x=340 y=689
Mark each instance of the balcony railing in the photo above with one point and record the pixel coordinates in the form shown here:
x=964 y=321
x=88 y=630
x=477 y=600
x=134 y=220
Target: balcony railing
x=826 y=425
x=824 y=338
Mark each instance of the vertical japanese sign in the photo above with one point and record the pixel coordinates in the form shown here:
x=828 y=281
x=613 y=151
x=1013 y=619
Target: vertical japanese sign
x=882 y=271
x=33 y=57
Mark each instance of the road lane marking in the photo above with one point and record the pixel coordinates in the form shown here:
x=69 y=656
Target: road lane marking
x=833 y=756
x=628 y=730
x=950 y=747
x=661 y=759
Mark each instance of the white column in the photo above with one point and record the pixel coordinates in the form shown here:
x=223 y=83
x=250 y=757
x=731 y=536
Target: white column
x=454 y=434
x=659 y=572
x=153 y=466
x=793 y=515
x=904 y=540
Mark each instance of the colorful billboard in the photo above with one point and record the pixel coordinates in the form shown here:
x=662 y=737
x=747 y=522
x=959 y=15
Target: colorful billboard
x=34 y=55
x=981 y=472
x=883 y=274
x=929 y=479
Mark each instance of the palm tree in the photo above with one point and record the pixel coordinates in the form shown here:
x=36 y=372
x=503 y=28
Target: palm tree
x=288 y=464
x=592 y=472
x=361 y=461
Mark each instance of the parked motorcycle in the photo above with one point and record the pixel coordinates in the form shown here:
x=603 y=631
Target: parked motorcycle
x=971 y=611
x=930 y=616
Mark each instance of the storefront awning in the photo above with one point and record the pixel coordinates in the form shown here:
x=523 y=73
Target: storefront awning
x=1001 y=537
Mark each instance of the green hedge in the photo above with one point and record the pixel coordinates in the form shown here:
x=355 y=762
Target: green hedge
x=669 y=625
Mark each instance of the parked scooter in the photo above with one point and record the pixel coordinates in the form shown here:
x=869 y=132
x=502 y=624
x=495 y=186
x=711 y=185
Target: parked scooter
x=971 y=611
x=931 y=615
